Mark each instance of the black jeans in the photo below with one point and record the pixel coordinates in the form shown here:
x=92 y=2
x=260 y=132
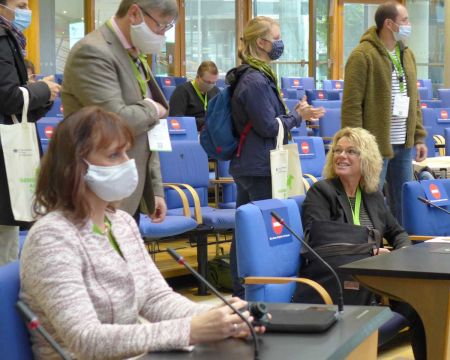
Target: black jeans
x=249 y=188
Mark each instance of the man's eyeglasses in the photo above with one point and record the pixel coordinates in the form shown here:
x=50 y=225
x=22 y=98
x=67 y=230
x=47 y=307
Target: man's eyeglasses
x=161 y=27
x=349 y=152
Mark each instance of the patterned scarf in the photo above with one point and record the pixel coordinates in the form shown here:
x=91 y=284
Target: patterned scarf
x=268 y=71
x=19 y=36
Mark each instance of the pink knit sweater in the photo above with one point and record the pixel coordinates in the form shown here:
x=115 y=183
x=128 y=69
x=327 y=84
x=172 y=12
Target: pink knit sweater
x=89 y=298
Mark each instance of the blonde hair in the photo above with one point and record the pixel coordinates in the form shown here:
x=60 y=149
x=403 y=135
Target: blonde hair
x=258 y=27
x=370 y=157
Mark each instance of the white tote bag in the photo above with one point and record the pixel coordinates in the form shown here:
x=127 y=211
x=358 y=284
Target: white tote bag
x=21 y=154
x=285 y=168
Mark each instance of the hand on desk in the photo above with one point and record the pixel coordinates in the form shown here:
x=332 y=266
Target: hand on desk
x=220 y=323
x=381 y=251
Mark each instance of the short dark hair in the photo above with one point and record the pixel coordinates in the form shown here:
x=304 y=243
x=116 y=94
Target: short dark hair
x=167 y=7
x=387 y=10
x=207 y=66
x=60 y=185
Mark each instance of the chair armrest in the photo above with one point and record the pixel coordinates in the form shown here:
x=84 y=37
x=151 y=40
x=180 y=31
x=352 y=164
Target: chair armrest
x=420 y=237
x=197 y=208
x=183 y=197
x=222 y=180
x=312 y=177
x=306 y=184
x=253 y=280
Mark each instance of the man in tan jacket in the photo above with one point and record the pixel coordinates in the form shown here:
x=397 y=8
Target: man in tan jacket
x=108 y=68
x=380 y=95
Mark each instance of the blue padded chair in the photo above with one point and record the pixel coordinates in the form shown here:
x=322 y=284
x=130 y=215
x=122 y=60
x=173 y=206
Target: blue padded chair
x=327 y=104
x=180 y=80
x=14 y=339
x=291 y=82
x=423 y=93
x=442 y=120
x=299 y=131
x=165 y=81
x=444 y=96
x=330 y=123
x=45 y=127
x=268 y=257
x=312 y=158
x=333 y=85
x=430 y=104
x=425 y=84
x=422 y=219
x=56 y=109
x=312 y=95
x=429 y=117
x=168 y=91
x=182 y=128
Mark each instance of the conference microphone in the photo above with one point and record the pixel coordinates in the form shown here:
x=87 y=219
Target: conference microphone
x=341 y=294
x=180 y=260
x=34 y=324
x=428 y=202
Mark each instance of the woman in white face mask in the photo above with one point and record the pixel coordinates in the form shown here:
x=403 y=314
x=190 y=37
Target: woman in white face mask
x=94 y=278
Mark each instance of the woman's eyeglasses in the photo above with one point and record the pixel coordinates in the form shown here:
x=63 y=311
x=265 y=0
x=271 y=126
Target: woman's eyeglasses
x=350 y=152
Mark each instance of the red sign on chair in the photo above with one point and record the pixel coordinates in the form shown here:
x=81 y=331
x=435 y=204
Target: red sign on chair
x=305 y=147
x=435 y=191
x=320 y=95
x=277 y=227
x=444 y=114
x=168 y=82
x=174 y=124
x=296 y=82
x=418 y=84
x=423 y=106
x=48 y=132
x=337 y=85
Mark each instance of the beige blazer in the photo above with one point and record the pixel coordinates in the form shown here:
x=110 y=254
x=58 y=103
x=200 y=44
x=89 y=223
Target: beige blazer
x=98 y=72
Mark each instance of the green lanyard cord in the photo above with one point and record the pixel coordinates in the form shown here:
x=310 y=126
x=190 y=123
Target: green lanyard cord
x=203 y=98
x=355 y=212
x=398 y=67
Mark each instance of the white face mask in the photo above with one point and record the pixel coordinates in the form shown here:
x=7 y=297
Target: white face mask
x=145 y=39
x=112 y=183
x=404 y=32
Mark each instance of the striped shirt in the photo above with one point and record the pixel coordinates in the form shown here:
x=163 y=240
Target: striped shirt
x=398 y=124
x=364 y=218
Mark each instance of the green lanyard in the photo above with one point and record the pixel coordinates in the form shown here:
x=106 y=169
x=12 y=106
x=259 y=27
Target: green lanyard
x=203 y=99
x=398 y=67
x=110 y=235
x=355 y=213
x=143 y=83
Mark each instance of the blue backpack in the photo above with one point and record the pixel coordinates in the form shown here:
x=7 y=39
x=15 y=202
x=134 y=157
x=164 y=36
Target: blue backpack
x=218 y=136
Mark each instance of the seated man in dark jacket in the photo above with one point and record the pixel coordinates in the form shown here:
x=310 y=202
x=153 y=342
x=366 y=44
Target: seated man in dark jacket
x=191 y=98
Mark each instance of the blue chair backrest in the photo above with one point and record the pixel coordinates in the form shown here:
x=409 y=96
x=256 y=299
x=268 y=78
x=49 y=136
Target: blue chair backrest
x=180 y=80
x=442 y=120
x=426 y=84
x=429 y=117
x=265 y=248
x=57 y=109
x=45 y=127
x=305 y=83
x=299 y=131
x=187 y=163
x=430 y=104
x=182 y=128
x=312 y=154
x=333 y=84
x=166 y=81
x=423 y=93
x=422 y=219
x=327 y=104
x=168 y=91
x=444 y=96
x=14 y=339
x=322 y=95
x=330 y=123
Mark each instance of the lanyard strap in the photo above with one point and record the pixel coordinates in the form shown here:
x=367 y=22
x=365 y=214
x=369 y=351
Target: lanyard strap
x=355 y=212
x=203 y=99
x=143 y=83
x=398 y=67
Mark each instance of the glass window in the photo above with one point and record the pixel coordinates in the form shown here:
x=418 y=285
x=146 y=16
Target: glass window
x=61 y=26
x=210 y=34
x=293 y=17
x=427 y=21
x=322 y=51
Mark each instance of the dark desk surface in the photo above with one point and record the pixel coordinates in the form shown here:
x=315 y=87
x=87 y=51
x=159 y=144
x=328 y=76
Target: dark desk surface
x=356 y=324
x=422 y=261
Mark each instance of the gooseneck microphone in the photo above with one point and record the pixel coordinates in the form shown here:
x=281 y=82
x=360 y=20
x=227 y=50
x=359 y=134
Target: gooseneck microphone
x=341 y=294
x=34 y=324
x=430 y=203
x=180 y=260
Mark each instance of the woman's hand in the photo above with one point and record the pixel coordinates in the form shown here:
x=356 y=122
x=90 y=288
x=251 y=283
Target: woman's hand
x=380 y=251
x=307 y=112
x=53 y=87
x=220 y=323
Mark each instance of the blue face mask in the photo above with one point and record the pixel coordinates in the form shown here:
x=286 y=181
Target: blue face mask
x=277 y=50
x=22 y=19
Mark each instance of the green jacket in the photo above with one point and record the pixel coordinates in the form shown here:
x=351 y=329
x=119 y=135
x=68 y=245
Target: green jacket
x=367 y=92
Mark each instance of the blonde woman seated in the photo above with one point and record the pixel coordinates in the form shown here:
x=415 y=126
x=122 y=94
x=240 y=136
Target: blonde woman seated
x=345 y=219
x=85 y=271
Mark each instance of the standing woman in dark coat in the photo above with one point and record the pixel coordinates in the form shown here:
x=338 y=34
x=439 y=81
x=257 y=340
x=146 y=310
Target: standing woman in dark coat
x=257 y=100
x=14 y=18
